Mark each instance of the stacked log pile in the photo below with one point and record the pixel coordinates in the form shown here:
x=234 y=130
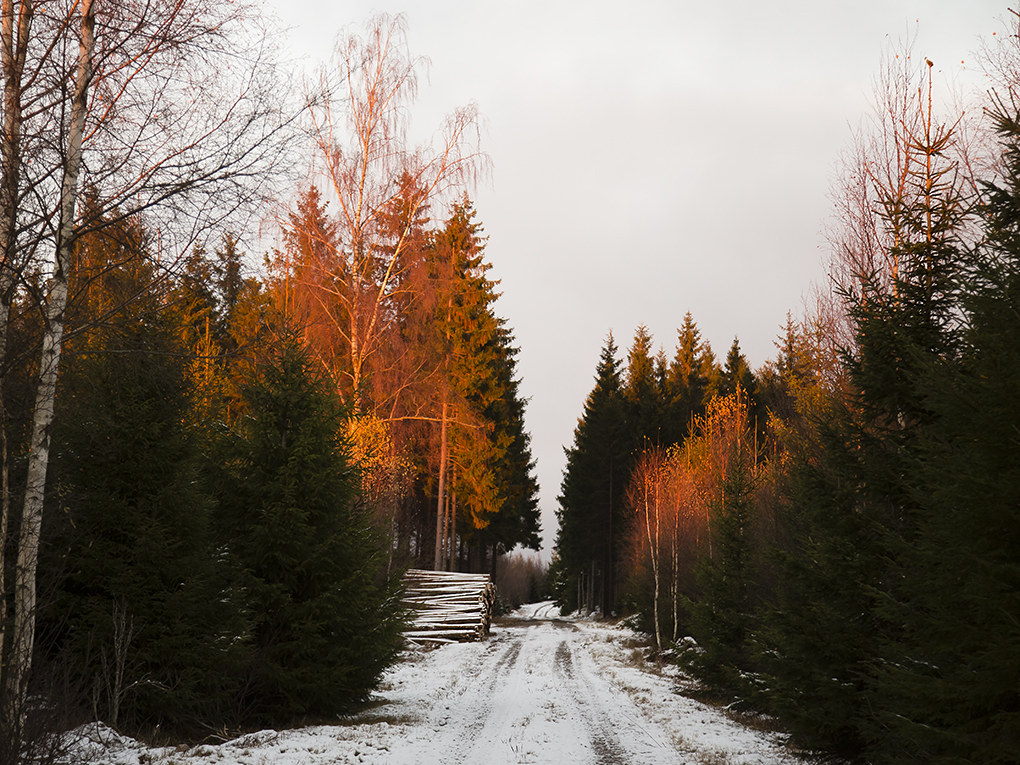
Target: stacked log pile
x=447 y=606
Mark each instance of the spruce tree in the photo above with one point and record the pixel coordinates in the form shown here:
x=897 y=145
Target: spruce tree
x=641 y=391
x=688 y=381
x=151 y=624
x=792 y=384
x=517 y=521
x=843 y=633
x=592 y=522
x=493 y=479
x=818 y=645
x=723 y=617
x=322 y=630
x=736 y=373
x=952 y=694
x=474 y=355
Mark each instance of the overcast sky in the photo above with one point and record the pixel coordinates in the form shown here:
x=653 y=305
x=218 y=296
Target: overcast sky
x=652 y=158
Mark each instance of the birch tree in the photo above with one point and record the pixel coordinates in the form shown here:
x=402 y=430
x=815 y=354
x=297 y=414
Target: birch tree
x=359 y=129
x=159 y=110
x=903 y=156
x=15 y=26
x=643 y=494
x=364 y=268
x=28 y=544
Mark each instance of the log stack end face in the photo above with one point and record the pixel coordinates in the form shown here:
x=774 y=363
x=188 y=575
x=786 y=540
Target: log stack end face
x=448 y=606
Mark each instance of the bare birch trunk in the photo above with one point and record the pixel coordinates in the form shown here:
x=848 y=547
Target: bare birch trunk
x=31 y=520
x=13 y=47
x=675 y=583
x=356 y=353
x=653 y=551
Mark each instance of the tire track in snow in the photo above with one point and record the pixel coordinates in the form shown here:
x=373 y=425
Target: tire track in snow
x=600 y=727
x=508 y=659
x=470 y=703
x=538 y=692
x=533 y=690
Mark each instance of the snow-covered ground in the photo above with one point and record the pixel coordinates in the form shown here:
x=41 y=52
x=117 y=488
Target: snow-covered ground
x=541 y=689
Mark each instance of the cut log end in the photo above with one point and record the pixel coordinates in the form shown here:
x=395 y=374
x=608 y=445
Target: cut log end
x=448 y=606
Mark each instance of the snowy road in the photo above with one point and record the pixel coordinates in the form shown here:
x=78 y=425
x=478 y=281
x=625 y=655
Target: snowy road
x=539 y=690
x=534 y=692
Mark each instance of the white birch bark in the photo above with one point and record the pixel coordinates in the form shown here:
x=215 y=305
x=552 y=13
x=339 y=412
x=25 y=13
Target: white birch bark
x=23 y=639
x=14 y=33
x=653 y=543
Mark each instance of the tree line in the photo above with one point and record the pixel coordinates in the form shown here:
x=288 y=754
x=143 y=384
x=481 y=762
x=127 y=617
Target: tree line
x=214 y=471
x=832 y=539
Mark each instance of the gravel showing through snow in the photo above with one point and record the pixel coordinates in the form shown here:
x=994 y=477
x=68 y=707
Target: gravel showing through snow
x=540 y=689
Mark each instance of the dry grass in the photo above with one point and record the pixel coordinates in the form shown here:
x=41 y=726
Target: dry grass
x=713 y=757
x=749 y=718
x=373 y=712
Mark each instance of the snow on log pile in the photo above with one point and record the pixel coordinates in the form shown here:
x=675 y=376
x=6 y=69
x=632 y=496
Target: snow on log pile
x=448 y=606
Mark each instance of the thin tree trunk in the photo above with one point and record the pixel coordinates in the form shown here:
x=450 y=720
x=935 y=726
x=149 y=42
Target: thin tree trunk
x=451 y=529
x=13 y=47
x=653 y=550
x=445 y=552
x=675 y=583
x=31 y=520
x=440 y=509
x=609 y=571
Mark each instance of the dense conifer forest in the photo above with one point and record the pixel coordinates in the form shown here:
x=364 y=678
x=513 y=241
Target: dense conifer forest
x=218 y=457
x=832 y=539
x=208 y=511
